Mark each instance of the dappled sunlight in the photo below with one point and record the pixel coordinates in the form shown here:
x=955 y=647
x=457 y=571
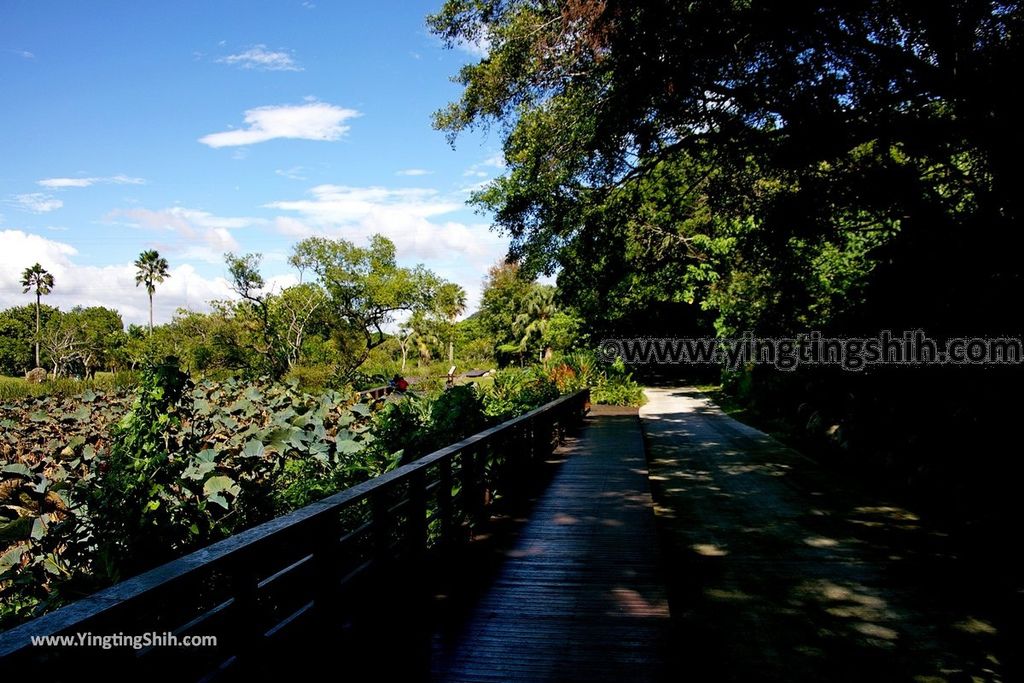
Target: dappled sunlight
x=631 y=603
x=709 y=550
x=821 y=542
x=976 y=626
x=562 y=518
x=730 y=595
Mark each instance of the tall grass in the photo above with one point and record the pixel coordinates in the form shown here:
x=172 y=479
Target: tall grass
x=14 y=388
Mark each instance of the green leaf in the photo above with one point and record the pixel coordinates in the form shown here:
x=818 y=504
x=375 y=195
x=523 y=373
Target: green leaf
x=220 y=484
x=253 y=449
x=11 y=557
x=17 y=468
x=219 y=500
x=348 y=447
x=88 y=396
x=39 y=527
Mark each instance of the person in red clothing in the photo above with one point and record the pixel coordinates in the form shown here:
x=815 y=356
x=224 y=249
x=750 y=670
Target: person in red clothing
x=400 y=383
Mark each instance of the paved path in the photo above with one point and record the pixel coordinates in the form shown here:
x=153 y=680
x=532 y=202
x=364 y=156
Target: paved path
x=778 y=571
x=580 y=596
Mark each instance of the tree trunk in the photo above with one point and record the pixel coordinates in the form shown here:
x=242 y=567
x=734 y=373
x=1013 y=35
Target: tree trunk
x=38 y=297
x=151 y=313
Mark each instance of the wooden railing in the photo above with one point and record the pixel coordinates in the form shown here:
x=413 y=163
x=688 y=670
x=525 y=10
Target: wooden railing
x=250 y=588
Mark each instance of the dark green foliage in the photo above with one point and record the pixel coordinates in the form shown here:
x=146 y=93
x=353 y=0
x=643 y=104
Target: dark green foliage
x=516 y=391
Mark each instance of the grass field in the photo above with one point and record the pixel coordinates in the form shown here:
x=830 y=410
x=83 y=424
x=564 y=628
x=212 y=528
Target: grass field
x=13 y=388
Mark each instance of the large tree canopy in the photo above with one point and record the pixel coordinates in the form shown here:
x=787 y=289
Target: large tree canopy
x=779 y=159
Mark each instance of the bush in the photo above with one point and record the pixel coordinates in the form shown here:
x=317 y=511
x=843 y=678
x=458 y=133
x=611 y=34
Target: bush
x=516 y=391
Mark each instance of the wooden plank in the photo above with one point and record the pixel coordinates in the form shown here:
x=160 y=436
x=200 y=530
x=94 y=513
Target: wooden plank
x=581 y=595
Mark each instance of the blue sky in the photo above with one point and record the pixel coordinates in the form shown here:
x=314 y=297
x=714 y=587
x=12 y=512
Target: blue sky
x=202 y=127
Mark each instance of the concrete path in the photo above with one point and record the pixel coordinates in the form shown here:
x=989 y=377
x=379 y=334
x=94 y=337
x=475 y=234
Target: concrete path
x=779 y=572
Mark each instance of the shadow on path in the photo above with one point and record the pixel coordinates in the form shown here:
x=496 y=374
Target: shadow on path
x=779 y=572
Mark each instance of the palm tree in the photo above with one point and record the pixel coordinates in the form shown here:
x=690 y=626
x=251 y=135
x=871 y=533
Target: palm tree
x=450 y=303
x=151 y=269
x=538 y=310
x=41 y=281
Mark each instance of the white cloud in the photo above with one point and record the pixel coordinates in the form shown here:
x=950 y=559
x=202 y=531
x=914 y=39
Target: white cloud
x=36 y=202
x=477 y=170
x=413 y=172
x=259 y=57
x=24 y=54
x=195 y=234
x=411 y=217
x=313 y=121
x=480 y=48
x=86 y=182
x=293 y=173
x=112 y=286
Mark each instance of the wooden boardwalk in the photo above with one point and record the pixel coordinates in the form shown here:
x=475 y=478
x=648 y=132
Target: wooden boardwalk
x=580 y=596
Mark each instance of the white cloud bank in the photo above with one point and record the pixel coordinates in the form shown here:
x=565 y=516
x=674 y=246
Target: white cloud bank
x=414 y=218
x=192 y=233
x=313 y=121
x=413 y=172
x=60 y=183
x=111 y=286
x=259 y=57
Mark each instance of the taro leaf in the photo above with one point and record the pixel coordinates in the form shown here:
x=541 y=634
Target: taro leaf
x=39 y=416
x=88 y=452
x=253 y=394
x=82 y=414
x=17 y=468
x=69 y=450
x=42 y=485
x=17 y=529
x=8 y=424
x=278 y=439
x=11 y=558
x=198 y=470
x=215 y=488
x=51 y=566
x=207 y=455
x=253 y=449
x=360 y=409
x=88 y=396
x=202 y=406
x=39 y=527
x=348 y=447
x=240 y=406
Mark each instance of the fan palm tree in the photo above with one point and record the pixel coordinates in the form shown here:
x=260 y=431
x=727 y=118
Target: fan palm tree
x=450 y=304
x=151 y=268
x=38 y=279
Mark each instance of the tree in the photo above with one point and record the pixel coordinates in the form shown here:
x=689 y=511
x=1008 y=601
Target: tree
x=365 y=289
x=17 y=337
x=449 y=303
x=505 y=290
x=861 y=142
x=38 y=279
x=532 y=323
x=151 y=269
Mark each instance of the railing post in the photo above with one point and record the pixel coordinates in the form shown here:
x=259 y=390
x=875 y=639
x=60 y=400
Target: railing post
x=246 y=629
x=379 y=518
x=327 y=560
x=444 y=503
x=472 y=493
x=417 y=513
